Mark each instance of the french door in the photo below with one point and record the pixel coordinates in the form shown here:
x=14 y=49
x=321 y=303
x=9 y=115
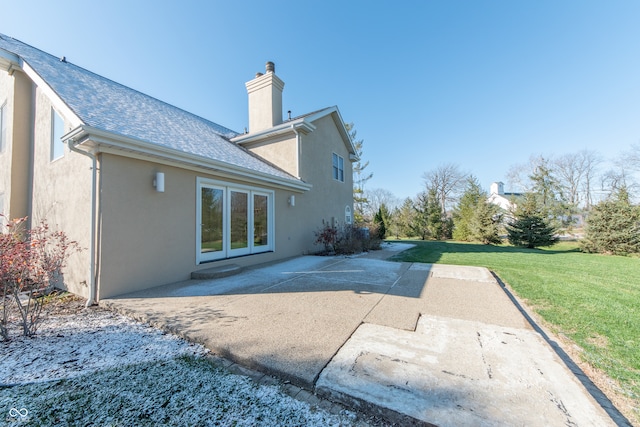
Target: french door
x=232 y=221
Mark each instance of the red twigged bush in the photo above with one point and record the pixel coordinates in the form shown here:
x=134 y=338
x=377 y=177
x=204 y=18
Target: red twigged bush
x=31 y=263
x=347 y=239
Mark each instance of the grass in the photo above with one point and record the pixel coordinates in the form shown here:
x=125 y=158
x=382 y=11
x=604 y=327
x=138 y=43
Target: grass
x=592 y=299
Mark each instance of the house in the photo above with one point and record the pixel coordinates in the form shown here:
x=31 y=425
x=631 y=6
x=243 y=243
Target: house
x=498 y=197
x=153 y=192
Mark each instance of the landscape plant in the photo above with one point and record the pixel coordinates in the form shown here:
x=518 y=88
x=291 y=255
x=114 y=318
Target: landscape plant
x=347 y=239
x=31 y=262
x=613 y=226
x=530 y=225
x=475 y=219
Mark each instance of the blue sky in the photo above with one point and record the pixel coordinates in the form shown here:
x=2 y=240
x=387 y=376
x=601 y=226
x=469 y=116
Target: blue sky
x=482 y=84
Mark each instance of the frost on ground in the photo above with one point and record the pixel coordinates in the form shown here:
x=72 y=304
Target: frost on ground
x=99 y=368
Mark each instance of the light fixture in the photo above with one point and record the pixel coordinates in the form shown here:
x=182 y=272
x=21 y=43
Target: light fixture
x=292 y=200
x=158 y=182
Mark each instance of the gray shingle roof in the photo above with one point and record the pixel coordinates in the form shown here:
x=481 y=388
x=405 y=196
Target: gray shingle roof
x=104 y=104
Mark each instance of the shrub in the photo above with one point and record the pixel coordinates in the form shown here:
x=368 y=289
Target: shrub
x=613 y=226
x=531 y=231
x=31 y=263
x=347 y=239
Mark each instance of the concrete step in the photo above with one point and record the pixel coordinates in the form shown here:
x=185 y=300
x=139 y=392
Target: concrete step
x=216 y=272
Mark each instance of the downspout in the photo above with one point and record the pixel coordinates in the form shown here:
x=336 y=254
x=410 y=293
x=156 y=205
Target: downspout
x=299 y=147
x=94 y=162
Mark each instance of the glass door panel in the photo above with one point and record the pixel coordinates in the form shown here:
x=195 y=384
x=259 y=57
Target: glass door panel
x=239 y=221
x=211 y=225
x=260 y=220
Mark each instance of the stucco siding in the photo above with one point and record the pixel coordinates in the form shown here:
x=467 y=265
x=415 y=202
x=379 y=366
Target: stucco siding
x=281 y=151
x=149 y=238
x=61 y=194
x=327 y=200
x=6 y=99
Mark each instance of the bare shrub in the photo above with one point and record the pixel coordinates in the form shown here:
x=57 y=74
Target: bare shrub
x=31 y=263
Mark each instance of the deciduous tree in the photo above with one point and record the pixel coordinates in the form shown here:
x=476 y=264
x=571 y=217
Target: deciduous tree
x=447 y=181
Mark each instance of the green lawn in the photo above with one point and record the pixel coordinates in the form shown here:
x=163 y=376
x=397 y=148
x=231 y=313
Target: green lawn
x=592 y=299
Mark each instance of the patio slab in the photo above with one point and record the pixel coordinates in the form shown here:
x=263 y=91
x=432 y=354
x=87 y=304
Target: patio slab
x=441 y=344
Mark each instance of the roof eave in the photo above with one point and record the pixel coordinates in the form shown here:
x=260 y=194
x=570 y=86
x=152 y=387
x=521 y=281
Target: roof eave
x=301 y=125
x=9 y=61
x=97 y=140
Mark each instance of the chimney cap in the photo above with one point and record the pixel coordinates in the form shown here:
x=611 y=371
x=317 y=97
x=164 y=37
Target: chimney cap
x=258 y=74
x=271 y=67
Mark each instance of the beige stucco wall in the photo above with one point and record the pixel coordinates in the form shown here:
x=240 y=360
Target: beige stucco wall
x=16 y=95
x=281 y=150
x=21 y=143
x=328 y=198
x=149 y=238
x=6 y=96
x=61 y=193
x=312 y=161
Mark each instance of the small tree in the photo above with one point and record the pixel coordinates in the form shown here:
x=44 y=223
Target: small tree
x=530 y=227
x=613 y=226
x=360 y=177
x=31 y=263
x=437 y=225
x=485 y=223
x=464 y=213
x=405 y=217
x=382 y=221
x=421 y=210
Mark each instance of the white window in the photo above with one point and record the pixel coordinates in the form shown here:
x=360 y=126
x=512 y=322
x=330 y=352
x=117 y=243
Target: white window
x=4 y=125
x=347 y=214
x=232 y=220
x=338 y=168
x=57 y=130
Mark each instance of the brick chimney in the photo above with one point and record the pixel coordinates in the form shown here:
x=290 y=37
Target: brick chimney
x=265 y=100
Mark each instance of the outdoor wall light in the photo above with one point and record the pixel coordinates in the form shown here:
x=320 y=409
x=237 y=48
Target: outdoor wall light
x=292 y=200
x=158 y=182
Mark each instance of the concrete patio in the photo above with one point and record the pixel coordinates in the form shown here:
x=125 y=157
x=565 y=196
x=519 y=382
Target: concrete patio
x=441 y=344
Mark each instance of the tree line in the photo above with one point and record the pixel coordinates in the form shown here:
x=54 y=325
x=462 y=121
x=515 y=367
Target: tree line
x=556 y=195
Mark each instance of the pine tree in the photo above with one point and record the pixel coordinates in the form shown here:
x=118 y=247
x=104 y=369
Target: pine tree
x=485 y=223
x=421 y=212
x=613 y=226
x=530 y=227
x=360 y=177
x=381 y=220
x=466 y=209
x=435 y=222
x=406 y=216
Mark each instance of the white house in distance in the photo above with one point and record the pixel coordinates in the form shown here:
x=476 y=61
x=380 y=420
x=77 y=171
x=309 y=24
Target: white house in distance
x=502 y=199
x=154 y=193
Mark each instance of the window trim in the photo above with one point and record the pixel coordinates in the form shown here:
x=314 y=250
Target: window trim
x=55 y=141
x=4 y=126
x=227 y=252
x=337 y=162
x=348 y=217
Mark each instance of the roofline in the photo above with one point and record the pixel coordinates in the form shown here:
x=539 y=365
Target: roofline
x=17 y=63
x=299 y=125
x=9 y=60
x=304 y=125
x=104 y=141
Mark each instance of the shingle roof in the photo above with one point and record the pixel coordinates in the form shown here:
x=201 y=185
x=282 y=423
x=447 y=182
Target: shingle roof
x=106 y=105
